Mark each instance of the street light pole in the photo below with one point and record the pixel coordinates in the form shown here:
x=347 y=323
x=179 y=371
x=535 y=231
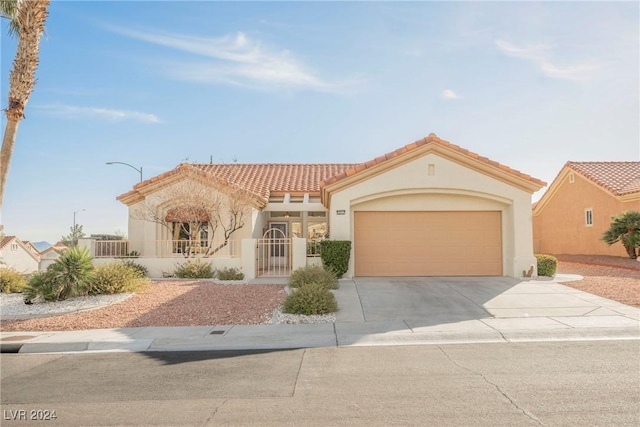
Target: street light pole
x=73 y=230
x=127 y=164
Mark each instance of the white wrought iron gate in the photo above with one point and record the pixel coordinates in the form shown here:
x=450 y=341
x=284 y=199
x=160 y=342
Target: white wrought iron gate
x=273 y=254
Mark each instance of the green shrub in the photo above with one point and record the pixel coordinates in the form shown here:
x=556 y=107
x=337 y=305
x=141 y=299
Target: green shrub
x=194 y=270
x=313 y=274
x=547 y=265
x=140 y=269
x=70 y=275
x=312 y=298
x=11 y=281
x=229 y=273
x=43 y=284
x=335 y=255
x=115 y=278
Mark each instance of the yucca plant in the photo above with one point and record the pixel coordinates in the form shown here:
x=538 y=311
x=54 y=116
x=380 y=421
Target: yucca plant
x=69 y=276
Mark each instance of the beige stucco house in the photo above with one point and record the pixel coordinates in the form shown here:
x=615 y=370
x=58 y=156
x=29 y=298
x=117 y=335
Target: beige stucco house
x=51 y=255
x=17 y=255
x=429 y=208
x=577 y=209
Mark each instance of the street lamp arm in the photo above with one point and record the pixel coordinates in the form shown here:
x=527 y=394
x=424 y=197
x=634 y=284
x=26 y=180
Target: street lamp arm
x=127 y=164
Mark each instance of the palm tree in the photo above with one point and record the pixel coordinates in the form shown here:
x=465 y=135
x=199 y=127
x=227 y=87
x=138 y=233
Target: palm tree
x=625 y=228
x=27 y=23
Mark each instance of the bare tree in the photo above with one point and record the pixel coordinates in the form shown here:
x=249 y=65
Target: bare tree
x=195 y=212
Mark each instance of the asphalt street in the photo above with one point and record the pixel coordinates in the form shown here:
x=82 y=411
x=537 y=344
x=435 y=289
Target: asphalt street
x=561 y=383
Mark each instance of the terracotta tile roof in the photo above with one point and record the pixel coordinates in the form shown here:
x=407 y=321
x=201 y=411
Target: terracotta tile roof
x=260 y=179
x=619 y=178
x=6 y=240
x=263 y=179
x=431 y=139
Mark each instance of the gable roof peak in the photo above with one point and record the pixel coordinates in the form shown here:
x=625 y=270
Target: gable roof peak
x=433 y=139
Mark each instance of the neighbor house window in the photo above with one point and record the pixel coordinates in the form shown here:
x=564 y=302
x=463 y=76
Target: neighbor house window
x=588 y=217
x=14 y=246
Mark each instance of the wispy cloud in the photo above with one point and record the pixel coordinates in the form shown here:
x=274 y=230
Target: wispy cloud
x=235 y=59
x=449 y=94
x=77 y=112
x=540 y=56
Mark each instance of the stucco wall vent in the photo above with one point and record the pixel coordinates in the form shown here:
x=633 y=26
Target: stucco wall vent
x=431 y=169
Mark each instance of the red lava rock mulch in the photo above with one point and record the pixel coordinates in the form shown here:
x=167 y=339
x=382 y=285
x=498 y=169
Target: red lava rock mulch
x=171 y=303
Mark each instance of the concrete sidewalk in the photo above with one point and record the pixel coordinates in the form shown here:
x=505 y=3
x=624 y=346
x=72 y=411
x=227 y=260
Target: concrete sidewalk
x=376 y=312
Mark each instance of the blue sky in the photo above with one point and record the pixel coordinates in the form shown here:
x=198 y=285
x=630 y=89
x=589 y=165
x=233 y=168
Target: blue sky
x=531 y=85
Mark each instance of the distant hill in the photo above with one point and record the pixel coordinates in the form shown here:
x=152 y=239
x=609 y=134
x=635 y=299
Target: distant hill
x=41 y=246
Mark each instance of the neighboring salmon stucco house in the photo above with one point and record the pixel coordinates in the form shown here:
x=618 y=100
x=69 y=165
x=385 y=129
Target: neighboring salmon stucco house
x=579 y=205
x=430 y=208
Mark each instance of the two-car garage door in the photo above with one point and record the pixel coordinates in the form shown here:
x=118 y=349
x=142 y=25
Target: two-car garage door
x=455 y=243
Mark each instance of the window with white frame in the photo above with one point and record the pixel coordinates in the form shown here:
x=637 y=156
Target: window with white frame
x=14 y=246
x=588 y=217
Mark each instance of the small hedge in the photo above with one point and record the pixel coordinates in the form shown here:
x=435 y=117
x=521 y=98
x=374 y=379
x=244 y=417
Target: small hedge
x=229 y=273
x=140 y=269
x=11 y=281
x=335 y=255
x=313 y=274
x=115 y=278
x=310 y=299
x=194 y=270
x=547 y=265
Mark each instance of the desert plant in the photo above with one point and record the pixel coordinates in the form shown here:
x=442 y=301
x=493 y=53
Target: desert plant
x=547 y=265
x=229 y=273
x=335 y=255
x=313 y=274
x=140 y=269
x=115 y=278
x=42 y=284
x=194 y=270
x=68 y=276
x=11 y=281
x=310 y=299
x=625 y=228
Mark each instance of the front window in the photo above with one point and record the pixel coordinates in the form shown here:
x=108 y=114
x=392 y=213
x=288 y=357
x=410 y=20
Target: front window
x=317 y=230
x=190 y=236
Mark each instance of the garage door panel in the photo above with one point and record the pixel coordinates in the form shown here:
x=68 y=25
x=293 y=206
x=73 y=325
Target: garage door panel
x=428 y=243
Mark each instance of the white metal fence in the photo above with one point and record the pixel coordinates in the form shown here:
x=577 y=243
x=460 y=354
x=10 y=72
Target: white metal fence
x=165 y=249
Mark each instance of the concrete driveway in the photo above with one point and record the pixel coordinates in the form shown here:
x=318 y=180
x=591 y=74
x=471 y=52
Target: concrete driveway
x=473 y=304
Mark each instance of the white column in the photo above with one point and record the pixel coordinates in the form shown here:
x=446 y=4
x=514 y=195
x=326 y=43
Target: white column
x=248 y=258
x=299 y=253
x=89 y=244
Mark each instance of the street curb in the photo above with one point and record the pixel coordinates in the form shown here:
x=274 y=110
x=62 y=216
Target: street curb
x=321 y=340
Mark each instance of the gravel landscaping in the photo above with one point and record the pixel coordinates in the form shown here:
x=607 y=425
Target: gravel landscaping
x=170 y=303
x=609 y=277
x=200 y=302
